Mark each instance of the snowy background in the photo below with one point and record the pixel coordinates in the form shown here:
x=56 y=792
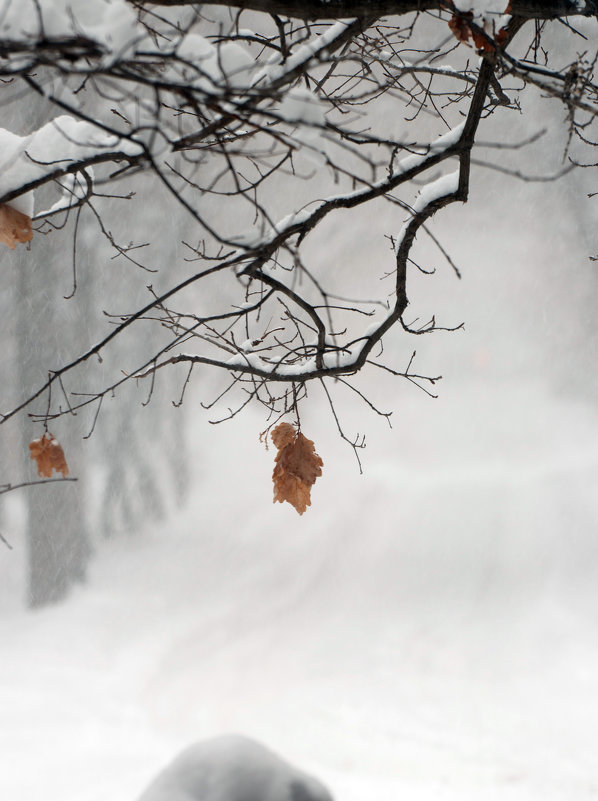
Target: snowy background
x=427 y=630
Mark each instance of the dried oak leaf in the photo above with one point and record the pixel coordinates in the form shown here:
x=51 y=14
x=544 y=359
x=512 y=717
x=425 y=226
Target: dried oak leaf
x=459 y=25
x=49 y=456
x=15 y=226
x=481 y=42
x=297 y=467
x=501 y=37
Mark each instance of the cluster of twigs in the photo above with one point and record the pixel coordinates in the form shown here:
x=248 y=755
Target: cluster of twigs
x=232 y=117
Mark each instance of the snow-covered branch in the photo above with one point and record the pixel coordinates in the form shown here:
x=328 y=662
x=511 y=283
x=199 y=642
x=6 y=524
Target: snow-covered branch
x=253 y=145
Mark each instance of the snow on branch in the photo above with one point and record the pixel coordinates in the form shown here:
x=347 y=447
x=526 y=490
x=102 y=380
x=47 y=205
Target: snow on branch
x=111 y=26
x=253 y=148
x=61 y=147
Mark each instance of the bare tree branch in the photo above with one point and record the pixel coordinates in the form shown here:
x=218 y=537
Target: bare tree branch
x=342 y=9
x=329 y=102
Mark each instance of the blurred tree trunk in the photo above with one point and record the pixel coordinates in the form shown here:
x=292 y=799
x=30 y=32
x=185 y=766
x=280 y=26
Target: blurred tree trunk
x=57 y=539
x=58 y=548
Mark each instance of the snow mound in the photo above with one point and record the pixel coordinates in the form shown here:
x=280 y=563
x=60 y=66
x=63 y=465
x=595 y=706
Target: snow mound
x=233 y=768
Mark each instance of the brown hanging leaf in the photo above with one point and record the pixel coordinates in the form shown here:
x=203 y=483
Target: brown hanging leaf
x=49 y=456
x=459 y=25
x=15 y=226
x=501 y=37
x=297 y=467
x=482 y=42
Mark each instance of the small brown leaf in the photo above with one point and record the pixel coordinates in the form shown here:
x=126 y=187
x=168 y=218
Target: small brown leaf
x=49 y=456
x=501 y=37
x=15 y=226
x=459 y=25
x=297 y=467
x=482 y=42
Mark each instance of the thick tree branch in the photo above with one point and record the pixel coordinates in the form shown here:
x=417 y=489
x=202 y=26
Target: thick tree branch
x=340 y=9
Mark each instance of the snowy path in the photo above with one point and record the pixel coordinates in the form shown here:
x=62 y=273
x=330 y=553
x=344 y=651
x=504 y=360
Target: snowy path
x=426 y=631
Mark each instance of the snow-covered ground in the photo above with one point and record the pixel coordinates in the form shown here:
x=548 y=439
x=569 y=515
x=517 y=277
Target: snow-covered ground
x=426 y=631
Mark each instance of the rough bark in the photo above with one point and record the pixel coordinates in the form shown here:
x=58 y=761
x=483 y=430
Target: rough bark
x=339 y=9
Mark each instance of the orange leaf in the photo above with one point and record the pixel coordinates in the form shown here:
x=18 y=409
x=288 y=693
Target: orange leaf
x=15 y=226
x=49 y=456
x=297 y=467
